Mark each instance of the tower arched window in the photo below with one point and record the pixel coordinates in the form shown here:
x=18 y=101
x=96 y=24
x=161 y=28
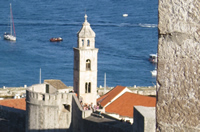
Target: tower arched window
x=88 y=43
x=88 y=65
x=82 y=42
x=88 y=87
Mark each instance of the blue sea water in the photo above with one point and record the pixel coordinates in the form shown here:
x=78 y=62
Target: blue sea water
x=124 y=42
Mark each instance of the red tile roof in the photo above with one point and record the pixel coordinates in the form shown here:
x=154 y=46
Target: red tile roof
x=124 y=104
x=103 y=100
x=14 y=103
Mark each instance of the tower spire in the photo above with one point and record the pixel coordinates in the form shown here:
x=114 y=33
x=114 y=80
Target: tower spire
x=85 y=17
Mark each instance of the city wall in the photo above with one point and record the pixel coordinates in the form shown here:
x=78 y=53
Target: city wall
x=48 y=111
x=144 y=119
x=78 y=115
x=178 y=67
x=101 y=127
x=61 y=112
x=12 y=120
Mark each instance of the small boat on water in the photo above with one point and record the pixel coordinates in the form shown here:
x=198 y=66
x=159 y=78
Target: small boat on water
x=154 y=73
x=56 y=39
x=125 y=15
x=153 y=58
x=10 y=36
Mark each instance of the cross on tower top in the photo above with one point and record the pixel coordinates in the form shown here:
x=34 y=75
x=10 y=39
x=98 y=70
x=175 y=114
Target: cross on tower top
x=85 y=17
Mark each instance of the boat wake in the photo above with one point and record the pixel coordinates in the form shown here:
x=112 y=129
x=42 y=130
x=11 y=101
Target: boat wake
x=127 y=25
x=101 y=24
x=148 y=25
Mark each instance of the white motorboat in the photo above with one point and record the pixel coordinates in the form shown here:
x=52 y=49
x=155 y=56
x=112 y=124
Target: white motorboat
x=154 y=72
x=125 y=15
x=153 y=58
x=10 y=36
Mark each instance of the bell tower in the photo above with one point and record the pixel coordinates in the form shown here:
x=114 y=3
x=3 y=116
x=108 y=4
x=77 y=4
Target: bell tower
x=85 y=64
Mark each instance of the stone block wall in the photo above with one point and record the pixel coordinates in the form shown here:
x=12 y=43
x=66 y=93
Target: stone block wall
x=77 y=122
x=48 y=111
x=12 y=120
x=178 y=86
x=144 y=119
x=90 y=126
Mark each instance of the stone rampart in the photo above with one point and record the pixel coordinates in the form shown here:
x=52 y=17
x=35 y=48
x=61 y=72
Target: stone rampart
x=78 y=114
x=48 y=111
x=12 y=120
x=105 y=123
x=178 y=67
x=44 y=98
x=144 y=119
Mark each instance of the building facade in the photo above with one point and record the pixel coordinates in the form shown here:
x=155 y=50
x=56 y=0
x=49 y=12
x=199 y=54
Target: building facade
x=85 y=65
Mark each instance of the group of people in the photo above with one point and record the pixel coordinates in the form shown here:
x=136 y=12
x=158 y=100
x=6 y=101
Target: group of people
x=91 y=106
x=86 y=106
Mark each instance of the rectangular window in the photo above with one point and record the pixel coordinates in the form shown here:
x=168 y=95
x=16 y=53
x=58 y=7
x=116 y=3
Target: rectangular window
x=89 y=87
x=86 y=88
x=47 y=88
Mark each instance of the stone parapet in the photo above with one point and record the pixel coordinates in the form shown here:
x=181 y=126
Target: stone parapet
x=178 y=67
x=46 y=111
x=144 y=119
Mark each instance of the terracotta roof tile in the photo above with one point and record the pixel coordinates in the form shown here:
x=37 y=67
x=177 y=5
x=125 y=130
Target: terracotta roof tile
x=125 y=103
x=14 y=103
x=103 y=100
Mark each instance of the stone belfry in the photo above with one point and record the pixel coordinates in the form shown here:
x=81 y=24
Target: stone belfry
x=85 y=65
